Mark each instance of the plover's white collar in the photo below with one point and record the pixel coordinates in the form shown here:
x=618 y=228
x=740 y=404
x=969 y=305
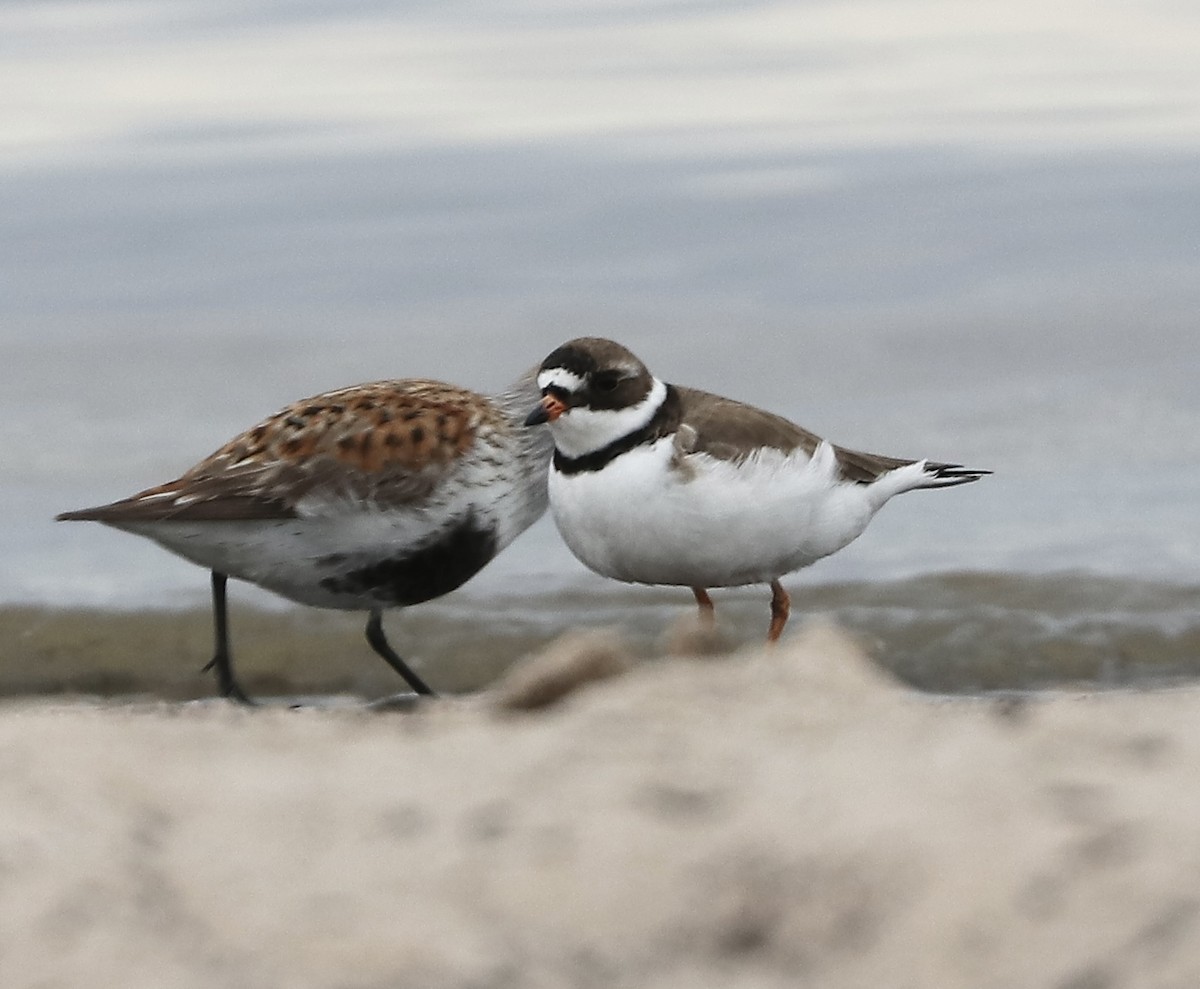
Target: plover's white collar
x=582 y=430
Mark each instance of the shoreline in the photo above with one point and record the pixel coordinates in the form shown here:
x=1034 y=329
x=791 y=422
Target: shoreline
x=941 y=633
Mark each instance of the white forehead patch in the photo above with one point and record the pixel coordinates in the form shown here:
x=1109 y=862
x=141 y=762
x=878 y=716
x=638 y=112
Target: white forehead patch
x=560 y=377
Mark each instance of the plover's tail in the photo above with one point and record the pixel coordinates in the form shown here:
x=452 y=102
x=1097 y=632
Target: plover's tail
x=947 y=475
x=921 y=474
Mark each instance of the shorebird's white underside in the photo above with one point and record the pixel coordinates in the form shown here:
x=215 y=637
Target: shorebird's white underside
x=292 y=556
x=713 y=523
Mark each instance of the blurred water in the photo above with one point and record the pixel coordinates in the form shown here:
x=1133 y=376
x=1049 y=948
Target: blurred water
x=950 y=632
x=916 y=228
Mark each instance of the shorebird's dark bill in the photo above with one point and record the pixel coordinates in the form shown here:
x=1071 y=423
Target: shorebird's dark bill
x=537 y=415
x=549 y=409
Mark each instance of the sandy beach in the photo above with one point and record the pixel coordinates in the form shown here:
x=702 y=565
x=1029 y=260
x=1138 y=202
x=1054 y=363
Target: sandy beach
x=761 y=819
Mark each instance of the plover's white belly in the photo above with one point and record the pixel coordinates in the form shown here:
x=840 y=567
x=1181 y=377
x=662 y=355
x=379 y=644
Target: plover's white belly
x=710 y=524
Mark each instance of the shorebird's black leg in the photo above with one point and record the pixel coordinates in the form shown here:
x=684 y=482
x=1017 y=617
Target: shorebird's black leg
x=227 y=686
x=379 y=643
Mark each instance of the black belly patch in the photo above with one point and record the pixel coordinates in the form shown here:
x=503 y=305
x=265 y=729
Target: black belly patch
x=448 y=561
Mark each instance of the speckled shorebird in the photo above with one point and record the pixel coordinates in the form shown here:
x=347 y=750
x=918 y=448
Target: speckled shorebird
x=654 y=483
x=376 y=496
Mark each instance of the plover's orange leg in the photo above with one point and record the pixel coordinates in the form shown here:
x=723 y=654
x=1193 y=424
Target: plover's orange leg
x=708 y=614
x=781 y=607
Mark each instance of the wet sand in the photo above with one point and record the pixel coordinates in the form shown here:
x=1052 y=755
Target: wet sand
x=784 y=819
x=949 y=633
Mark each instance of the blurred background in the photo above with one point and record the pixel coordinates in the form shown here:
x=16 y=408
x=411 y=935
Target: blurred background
x=916 y=227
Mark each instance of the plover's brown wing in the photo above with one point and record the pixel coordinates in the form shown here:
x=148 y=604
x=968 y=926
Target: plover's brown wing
x=863 y=468
x=732 y=430
x=388 y=443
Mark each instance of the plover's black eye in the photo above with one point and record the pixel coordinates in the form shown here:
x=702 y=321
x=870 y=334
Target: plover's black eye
x=606 y=381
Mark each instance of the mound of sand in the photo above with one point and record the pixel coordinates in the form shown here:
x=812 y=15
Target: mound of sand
x=780 y=819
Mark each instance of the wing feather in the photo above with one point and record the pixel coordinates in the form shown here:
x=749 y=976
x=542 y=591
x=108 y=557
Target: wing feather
x=389 y=443
x=732 y=430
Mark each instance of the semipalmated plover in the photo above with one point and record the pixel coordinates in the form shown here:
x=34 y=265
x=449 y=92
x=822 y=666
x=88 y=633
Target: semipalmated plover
x=375 y=496
x=654 y=483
